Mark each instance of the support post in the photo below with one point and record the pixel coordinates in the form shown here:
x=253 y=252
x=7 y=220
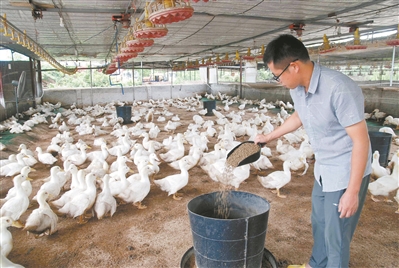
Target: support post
x=240 y=77
x=392 y=65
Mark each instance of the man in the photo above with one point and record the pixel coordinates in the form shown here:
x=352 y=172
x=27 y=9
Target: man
x=330 y=107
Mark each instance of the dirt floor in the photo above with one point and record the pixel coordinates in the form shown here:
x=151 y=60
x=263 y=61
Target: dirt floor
x=160 y=235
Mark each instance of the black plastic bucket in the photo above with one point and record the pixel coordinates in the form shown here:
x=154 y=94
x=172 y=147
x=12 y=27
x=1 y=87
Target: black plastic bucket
x=209 y=105
x=381 y=142
x=125 y=112
x=237 y=241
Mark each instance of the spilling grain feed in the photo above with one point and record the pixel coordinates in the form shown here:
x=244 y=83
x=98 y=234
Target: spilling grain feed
x=241 y=152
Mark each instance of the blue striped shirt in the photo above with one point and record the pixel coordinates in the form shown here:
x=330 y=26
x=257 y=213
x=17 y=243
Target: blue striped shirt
x=333 y=102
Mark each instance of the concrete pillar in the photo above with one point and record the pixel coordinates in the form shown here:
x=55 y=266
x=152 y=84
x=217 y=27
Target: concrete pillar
x=203 y=74
x=213 y=75
x=250 y=71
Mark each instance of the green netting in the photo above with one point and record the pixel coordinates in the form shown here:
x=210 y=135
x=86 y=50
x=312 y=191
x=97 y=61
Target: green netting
x=6 y=137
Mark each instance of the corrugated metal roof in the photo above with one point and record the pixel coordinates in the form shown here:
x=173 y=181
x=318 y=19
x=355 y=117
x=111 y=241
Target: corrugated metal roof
x=216 y=27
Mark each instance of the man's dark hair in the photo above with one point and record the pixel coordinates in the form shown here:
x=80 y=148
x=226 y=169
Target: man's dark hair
x=285 y=48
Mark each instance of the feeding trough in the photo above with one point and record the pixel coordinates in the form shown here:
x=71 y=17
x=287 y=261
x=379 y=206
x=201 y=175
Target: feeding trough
x=234 y=238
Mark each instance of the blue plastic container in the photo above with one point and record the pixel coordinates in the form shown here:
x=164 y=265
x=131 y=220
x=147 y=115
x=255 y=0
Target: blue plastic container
x=381 y=142
x=125 y=112
x=237 y=241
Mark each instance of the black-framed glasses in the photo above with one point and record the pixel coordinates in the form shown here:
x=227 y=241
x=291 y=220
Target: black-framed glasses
x=277 y=78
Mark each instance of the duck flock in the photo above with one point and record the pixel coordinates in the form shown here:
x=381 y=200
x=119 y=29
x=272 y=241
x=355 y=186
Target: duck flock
x=95 y=163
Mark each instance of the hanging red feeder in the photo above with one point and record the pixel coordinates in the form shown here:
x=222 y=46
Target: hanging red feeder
x=393 y=42
x=355 y=47
x=324 y=51
x=110 y=70
x=248 y=56
x=151 y=32
x=147 y=29
x=169 y=11
x=123 y=57
x=129 y=49
x=140 y=42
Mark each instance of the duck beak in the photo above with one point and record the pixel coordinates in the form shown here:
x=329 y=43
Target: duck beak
x=29 y=179
x=17 y=224
x=32 y=169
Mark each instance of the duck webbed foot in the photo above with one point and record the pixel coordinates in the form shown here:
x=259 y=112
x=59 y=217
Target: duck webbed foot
x=177 y=196
x=139 y=205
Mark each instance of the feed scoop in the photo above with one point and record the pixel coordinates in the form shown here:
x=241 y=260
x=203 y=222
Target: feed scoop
x=245 y=153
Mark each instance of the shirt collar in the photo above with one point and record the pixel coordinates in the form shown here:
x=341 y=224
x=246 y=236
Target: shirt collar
x=314 y=80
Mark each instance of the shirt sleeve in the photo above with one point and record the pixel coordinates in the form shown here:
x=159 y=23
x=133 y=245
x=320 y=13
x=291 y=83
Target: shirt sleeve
x=348 y=102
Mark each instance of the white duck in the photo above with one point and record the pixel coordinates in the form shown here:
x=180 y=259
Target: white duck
x=213 y=156
x=122 y=148
x=6 y=241
x=385 y=184
x=6 y=263
x=153 y=163
x=99 y=155
x=147 y=142
x=299 y=162
x=377 y=170
x=13 y=168
x=17 y=205
x=83 y=201
x=390 y=120
x=277 y=179
x=388 y=130
x=120 y=161
x=12 y=158
x=26 y=185
x=79 y=187
x=118 y=182
x=139 y=187
x=44 y=157
x=23 y=147
x=139 y=153
x=173 y=183
x=3 y=147
x=262 y=163
x=98 y=167
x=105 y=202
x=54 y=186
x=42 y=220
x=393 y=160
x=79 y=158
x=219 y=172
x=174 y=153
x=28 y=159
x=193 y=159
x=283 y=148
x=68 y=149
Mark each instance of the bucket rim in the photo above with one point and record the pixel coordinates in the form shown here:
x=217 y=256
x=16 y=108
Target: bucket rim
x=224 y=220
